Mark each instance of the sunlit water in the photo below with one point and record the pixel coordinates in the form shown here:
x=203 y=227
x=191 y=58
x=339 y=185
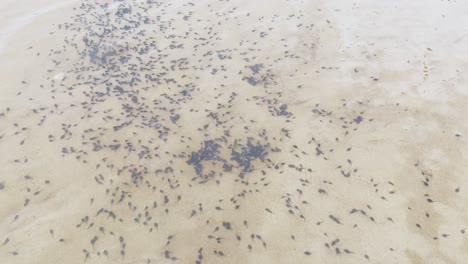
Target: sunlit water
x=233 y=132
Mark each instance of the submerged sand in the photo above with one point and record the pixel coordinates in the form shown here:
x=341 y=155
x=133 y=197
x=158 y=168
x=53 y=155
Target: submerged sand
x=233 y=131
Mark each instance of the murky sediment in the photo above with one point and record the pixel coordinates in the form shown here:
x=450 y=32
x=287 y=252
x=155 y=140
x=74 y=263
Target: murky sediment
x=233 y=132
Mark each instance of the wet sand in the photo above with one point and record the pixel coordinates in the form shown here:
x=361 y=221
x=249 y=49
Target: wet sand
x=233 y=131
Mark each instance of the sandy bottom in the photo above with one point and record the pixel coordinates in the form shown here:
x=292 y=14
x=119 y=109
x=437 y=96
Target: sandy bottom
x=233 y=131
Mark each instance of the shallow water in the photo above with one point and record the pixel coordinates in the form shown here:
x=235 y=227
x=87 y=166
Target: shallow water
x=233 y=131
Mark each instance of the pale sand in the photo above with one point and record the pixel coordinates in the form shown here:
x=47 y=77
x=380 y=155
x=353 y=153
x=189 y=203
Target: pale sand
x=361 y=122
